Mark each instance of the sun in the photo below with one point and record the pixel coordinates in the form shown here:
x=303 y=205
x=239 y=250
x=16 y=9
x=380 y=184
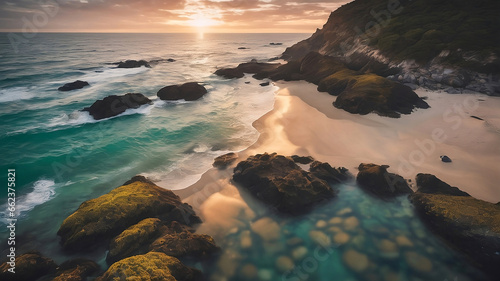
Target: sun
x=202 y=21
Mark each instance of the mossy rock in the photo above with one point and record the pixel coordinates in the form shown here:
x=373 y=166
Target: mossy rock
x=151 y=266
x=336 y=83
x=98 y=220
x=134 y=240
x=76 y=270
x=29 y=266
x=468 y=224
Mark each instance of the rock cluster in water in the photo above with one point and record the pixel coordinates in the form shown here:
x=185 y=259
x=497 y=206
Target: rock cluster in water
x=114 y=105
x=78 y=84
x=189 y=92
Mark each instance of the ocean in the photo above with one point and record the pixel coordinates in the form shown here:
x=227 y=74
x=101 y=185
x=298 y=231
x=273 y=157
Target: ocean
x=63 y=157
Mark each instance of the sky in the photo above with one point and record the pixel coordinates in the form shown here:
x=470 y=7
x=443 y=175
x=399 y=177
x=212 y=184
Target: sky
x=160 y=16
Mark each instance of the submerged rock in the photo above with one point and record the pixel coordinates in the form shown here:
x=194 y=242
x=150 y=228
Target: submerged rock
x=114 y=105
x=468 y=224
x=284 y=264
x=355 y=260
x=76 y=270
x=379 y=182
x=189 y=92
x=98 y=220
x=279 y=182
x=133 y=64
x=225 y=160
x=28 y=266
x=151 y=266
x=78 y=84
x=418 y=262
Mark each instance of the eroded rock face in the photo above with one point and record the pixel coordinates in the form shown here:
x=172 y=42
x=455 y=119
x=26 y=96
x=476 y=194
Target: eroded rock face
x=468 y=224
x=188 y=92
x=78 y=84
x=326 y=172
x=99 y=220
x=376 y=180
x=151 y=266
x=114 y=105
x=29 y=266
x=279 y=182
x=76 y=270
x=225 y=160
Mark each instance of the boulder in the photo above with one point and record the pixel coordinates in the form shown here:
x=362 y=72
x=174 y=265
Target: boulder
x=114 y=105
x=99 y=220
x=445 y=158
x=151 y=266
x=467 y=224
x=265 y=84
x=376 y=180
x=188 y=92
x=326 y=172
x=253 y=67
x=76 y=270
x=29 y=266
x=225 y=160
x=78 y=84
x=302 y=159
x=428 y=183
x=279 y=182
x=133 y=64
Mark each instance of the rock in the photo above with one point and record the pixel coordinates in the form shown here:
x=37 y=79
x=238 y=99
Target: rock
x=76 y=270
x=302 y=159
x=246 y=239
x=334 y=229
x=320 y=238
x=284 y=264
x=445 y=158
x=151 y=266
x=377 y=181
x=418 y=262
x=403 y=241
x=341 y=238
x=335 y=220
x=134 y=240
x=279 y=182
x=179 y=241
x=351 y=223
x=225 y=160
x=388 y=249
x=73 y=86
x=299 y=253
x=264 y=84
x=275 y=44
x=114 y=105
x=475 y=117
x=98 y=220
x=267 y=229
x=326 y=172
x=29 y=266
x=189 y=92
x=265 y=275
x=344 y=211
x=468 y=224
x=258 y=68
x=242 y=48
x=355 y=261
x=133 y=64
x=428 y=183
x=294 y=241
x=321 y=224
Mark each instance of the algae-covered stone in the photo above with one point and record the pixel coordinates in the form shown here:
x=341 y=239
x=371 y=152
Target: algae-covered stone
x=135 y=240
x=100 y=219
x=76 y=270
x=28 y=266
x=151 y=266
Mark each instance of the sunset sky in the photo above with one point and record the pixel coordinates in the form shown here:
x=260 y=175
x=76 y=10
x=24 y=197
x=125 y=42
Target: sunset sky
x=165 y=16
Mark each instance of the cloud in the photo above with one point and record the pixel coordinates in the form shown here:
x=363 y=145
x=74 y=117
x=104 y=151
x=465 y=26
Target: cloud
x=167 y=15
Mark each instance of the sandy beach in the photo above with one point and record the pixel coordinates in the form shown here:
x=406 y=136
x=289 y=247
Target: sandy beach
x=304 y=122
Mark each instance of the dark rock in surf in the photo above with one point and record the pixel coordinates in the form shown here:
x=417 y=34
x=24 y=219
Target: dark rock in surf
x=78 y=84
x=133 y=64
x=225 y=160
x=376 y=180
x=260 y=69
x=188 y=92
x=114 y=105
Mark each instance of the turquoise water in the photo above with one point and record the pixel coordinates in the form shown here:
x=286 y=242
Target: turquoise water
x=63 y=157
x=387 y=237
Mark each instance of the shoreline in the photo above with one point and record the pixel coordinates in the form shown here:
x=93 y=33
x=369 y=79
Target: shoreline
x=303 y=121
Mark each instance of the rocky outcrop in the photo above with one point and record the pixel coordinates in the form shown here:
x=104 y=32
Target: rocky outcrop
x=76 y=270
x=279 y=182
x=221 y=162
x=132 y=64
x=151 y=266
x=468 y=224
x=99 y=220
x=376 y=180
x=78 y=84
x=428 y=183
x=302 y=159
x=188 y=92
x=326 y=172
x=28 y=266
x=249 y=67
x=114 y=105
